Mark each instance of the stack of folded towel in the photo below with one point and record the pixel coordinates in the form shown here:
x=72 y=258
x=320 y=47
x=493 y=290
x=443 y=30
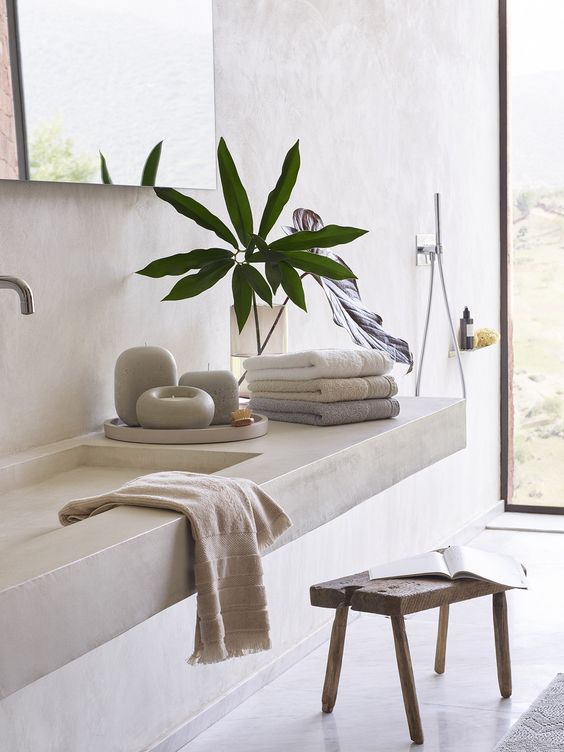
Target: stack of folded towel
x=323 y=387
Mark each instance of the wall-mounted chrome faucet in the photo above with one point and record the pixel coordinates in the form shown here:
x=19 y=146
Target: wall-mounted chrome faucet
x=23 y=290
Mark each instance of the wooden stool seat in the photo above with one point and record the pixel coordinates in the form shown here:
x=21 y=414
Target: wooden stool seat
x=396 y=598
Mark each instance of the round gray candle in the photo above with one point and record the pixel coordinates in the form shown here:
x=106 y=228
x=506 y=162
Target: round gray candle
x=175 y=407
x=139 y=369
x=221 y=386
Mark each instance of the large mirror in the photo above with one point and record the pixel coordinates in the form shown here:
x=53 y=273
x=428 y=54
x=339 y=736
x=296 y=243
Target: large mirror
x=116 y=77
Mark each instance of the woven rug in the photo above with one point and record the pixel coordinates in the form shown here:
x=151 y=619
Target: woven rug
x=541 y=727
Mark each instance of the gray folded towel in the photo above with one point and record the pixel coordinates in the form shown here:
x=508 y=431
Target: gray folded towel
x=325 y=413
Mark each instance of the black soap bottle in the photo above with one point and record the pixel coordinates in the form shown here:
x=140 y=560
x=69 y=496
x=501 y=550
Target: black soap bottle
x=466 y=331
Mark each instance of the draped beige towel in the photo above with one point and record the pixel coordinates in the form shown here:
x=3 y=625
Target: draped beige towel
x=232 y=521
x=327 y=390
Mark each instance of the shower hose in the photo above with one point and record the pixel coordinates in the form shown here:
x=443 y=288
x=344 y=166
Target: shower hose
x=436 y=257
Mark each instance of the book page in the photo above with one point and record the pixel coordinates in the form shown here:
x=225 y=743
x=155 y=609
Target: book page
x=431 y=563
x=464 y=561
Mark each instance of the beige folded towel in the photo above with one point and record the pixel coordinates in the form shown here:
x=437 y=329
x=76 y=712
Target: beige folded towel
x=327 y=390
x=232 y=520
x=317 y=364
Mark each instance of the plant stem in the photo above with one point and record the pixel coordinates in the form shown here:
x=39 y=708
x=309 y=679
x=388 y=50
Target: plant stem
x=257 y=324
x=261 y=348
x=273 y=327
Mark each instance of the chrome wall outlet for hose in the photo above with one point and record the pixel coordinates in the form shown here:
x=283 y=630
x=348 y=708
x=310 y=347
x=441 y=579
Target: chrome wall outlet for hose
x=425 y=245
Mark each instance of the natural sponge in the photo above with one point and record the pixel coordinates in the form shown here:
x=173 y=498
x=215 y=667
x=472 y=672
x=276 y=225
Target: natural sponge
x=485 y=337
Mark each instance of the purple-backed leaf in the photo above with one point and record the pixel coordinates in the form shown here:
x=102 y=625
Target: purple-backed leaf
x=349 y=312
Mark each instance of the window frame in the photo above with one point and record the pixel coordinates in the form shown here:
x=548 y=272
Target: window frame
x=507 y=428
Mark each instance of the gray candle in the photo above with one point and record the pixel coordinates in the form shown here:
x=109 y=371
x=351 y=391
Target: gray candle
x=221 y=386
x=139 y=369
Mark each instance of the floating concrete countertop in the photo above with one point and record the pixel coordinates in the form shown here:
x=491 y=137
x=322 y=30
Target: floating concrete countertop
x=65 y=591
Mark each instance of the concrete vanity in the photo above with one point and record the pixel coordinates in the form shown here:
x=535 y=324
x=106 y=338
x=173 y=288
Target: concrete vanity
x=65 y=592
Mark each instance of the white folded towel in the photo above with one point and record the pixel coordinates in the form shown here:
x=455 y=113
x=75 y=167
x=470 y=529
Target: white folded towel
x=316 y=364
x=327 y=390
x=232 y=520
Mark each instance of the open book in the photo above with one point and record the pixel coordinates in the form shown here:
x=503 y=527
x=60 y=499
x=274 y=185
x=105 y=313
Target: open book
x=456 y=562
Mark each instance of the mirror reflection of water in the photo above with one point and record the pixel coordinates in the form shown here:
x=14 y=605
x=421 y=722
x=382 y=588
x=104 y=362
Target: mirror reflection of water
x=118 y=77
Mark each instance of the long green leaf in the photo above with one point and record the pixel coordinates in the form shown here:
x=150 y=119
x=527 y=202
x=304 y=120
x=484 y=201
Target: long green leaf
x=273 y=276
x=280 y=194
x=261 y=243
x=235 y=195
x=194 y=284
x=250 y=249
x=151 y=167
x=242 y=297
x=195 y=211
x=181 y=263
x=292 y=284
x=257 y=282
x=319 y=265
x=106 y=179
x=261 y=257
x=326 y=238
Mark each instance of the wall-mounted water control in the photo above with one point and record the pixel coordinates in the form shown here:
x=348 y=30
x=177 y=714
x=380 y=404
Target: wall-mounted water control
x=424 y=247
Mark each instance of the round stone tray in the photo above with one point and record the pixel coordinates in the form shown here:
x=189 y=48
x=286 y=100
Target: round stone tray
x=115 y=429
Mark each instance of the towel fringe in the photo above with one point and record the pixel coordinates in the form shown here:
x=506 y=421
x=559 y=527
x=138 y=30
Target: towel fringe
x=237 y=646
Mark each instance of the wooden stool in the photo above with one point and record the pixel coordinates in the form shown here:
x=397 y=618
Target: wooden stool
x=395 y=598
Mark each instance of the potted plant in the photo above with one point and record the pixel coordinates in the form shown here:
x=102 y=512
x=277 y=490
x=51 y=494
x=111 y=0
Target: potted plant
x=285 y=261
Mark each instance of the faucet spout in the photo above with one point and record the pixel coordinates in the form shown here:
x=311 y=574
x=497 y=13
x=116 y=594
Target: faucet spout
x=23 y=290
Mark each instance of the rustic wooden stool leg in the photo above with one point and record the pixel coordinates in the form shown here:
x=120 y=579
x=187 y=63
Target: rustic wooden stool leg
x=501 y=632
x=440 y=652
x=407 y=681
x=334 y=659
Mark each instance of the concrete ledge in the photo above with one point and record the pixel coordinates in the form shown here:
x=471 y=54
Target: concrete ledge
x=98 y=579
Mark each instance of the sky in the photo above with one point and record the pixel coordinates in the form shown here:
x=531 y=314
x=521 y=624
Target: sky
x=537 y=34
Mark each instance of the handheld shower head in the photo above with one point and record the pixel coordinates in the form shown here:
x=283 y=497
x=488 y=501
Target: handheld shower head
x=438 y=245
x=438 y=257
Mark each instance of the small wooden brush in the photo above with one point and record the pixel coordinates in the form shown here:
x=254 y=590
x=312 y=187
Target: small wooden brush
x=242 y=417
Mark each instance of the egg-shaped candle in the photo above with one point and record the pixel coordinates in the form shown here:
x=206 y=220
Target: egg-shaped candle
x=139 y=369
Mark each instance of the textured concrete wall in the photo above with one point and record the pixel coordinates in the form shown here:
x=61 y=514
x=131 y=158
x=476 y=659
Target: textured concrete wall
x=392 y=100
x=8 y=152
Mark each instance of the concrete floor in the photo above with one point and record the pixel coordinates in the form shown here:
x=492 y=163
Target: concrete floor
x=461 y=711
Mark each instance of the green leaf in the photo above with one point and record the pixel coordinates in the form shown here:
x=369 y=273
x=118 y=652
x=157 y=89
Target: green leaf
x=261 y=243
x=195 y=211
x=195 y=284
x=279 y=196
x=181 y=263
x=268 y=256
x=273 y=276
x=250 y=249
x=328 y=237
x=257 y=282
x=106 y=179
x=322 y=266
x=149 y=175
x=242 y=297
x=235 y=195
x=292 y=284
